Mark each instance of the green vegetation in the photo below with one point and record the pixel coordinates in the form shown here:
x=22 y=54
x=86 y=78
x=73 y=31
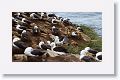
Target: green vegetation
x=95 y=43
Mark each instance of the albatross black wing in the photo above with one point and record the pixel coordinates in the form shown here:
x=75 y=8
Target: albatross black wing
x=99 y=57
x=60 y=49
x=37 y=52
x=45 y=47
x=88 y=59
x=93 y=51
x=21 y=44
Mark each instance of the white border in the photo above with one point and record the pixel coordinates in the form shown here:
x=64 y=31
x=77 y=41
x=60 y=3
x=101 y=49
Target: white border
x=104 y=67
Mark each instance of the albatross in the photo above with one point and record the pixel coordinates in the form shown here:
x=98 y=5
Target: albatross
x=58 y=48
x=99 y=56
x=25 y=36
x=17 y=43
x=55 y=31
x=34 y=16
x=35 y=30
x=29 y=51
x=94 y=52
x=44 y=46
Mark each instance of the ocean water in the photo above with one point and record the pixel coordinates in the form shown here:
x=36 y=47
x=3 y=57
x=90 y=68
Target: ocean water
x=91 y=19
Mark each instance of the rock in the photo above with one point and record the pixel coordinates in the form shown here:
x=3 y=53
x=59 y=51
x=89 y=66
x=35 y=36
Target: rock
x=63 y=58
x=17 y=50
x=34 y=59
x=85 y=37
x=19 y=58
x=76 y=55
x=74 y=43
x=51 y=53
x=14 y=33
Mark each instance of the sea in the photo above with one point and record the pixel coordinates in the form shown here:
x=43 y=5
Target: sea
x=91 y=19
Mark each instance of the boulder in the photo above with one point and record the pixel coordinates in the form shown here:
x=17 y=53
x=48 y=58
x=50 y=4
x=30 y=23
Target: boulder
x=85 y=37
x=19 y=58
x=63 y=58
x=51 y=53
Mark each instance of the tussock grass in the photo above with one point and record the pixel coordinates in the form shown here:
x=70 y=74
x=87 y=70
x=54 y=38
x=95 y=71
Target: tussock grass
x=95 y=43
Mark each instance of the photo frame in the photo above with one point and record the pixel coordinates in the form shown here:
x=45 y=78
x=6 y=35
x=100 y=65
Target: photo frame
x=104 y=67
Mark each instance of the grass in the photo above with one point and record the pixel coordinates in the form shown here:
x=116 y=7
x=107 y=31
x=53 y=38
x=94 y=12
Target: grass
x=95 y=43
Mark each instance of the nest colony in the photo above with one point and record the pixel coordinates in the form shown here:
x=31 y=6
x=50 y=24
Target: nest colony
x=45 y=23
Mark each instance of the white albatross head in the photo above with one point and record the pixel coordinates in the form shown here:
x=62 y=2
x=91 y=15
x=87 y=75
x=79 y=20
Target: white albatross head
x=54 y=19
x=53 y=27
x=87 y=48
x=28 y=51
x=53 y=45
x=16 y=39
x=35 y=27
x=23 y=19
x=41 y=43
x=74 y=34
x=56 y=38
x=18 y=25
x=42 y=13
x=18 y=13
x=83 y=52
x=78 y=28
x=98 y=54
x=33 y=13
x=48 y=42
x=24 y=31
